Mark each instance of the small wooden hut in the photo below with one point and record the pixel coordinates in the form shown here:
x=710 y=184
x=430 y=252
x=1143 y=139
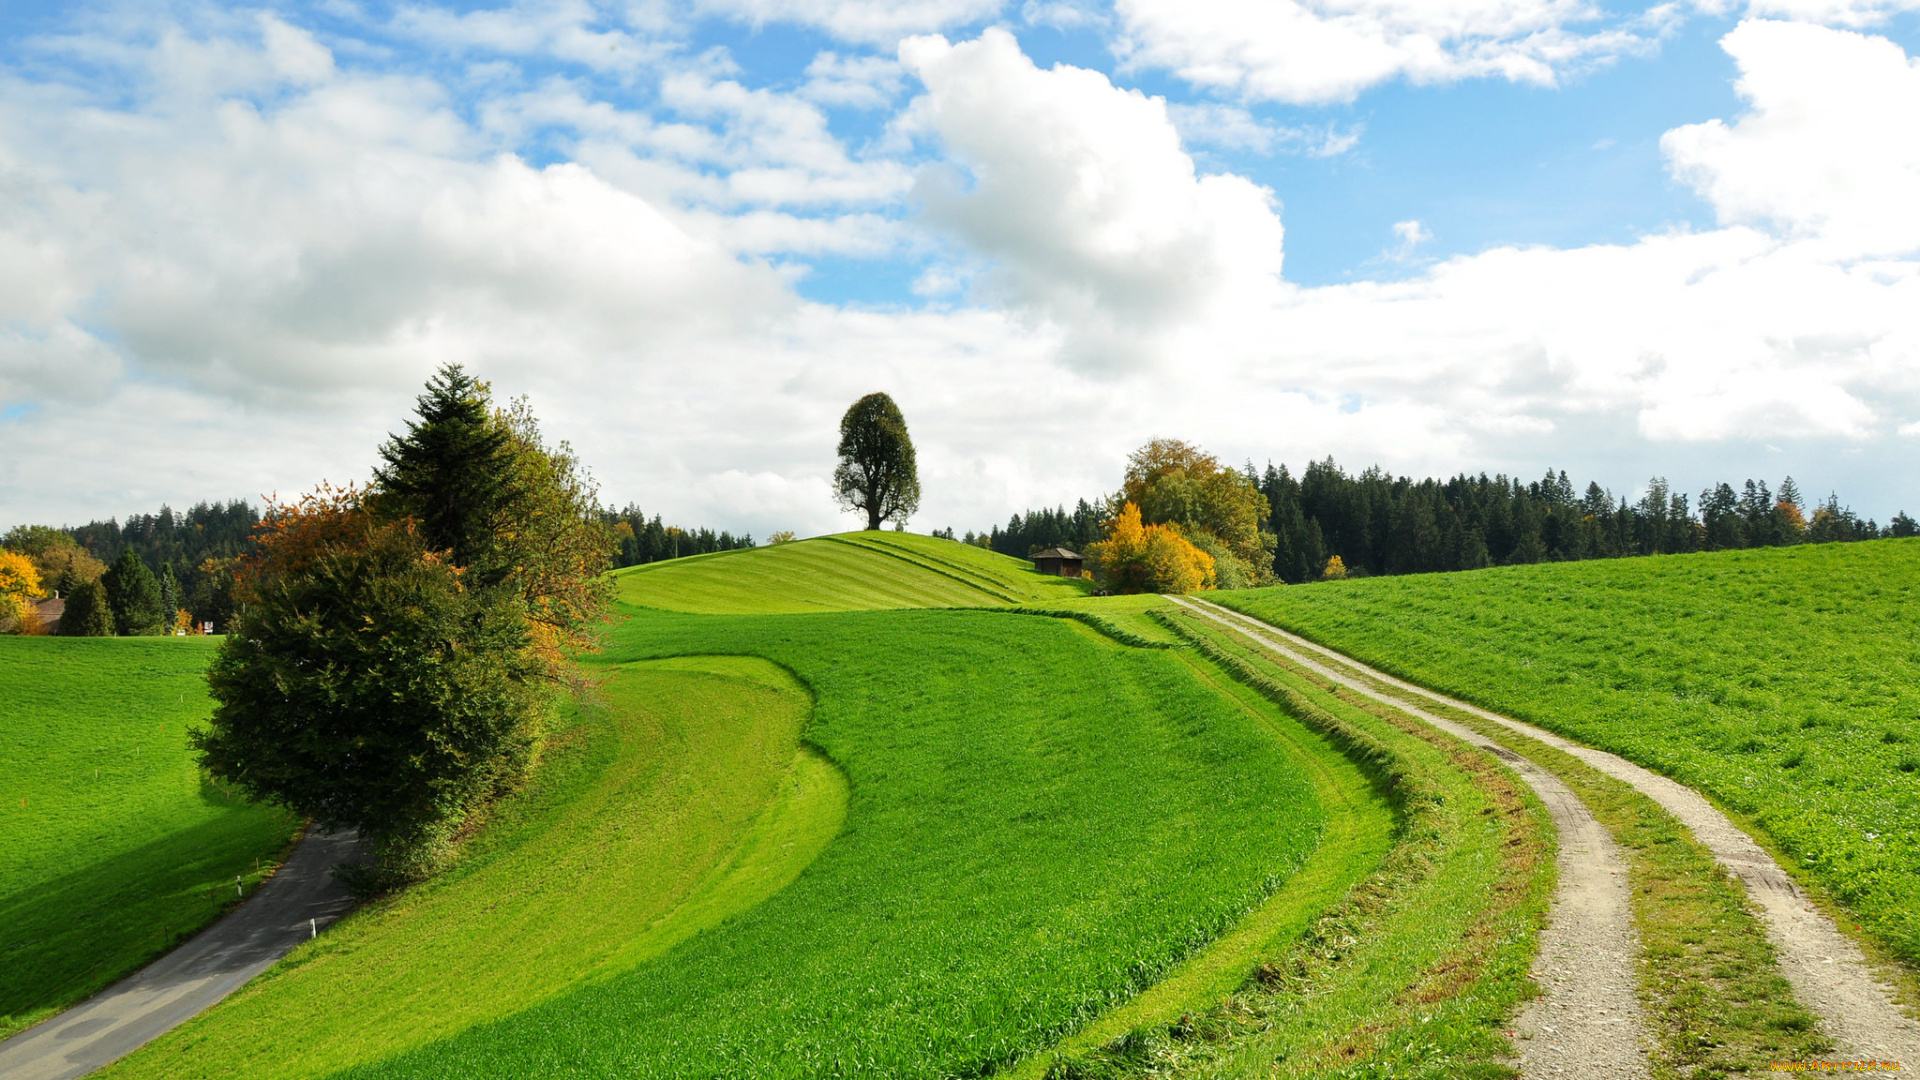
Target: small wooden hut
x=1057 y=561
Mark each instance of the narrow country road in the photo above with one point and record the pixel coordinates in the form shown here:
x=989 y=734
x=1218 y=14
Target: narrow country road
x=297 y=901
x=1828 y=973
x=1587 y=1023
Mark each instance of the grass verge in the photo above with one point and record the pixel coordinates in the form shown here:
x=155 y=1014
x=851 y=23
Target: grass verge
x=1413 y=972
x=113 y=847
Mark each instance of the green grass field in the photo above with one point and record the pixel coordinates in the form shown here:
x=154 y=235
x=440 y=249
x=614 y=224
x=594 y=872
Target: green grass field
x=1412 y=973
x=1039 y=823
x=112 y=847
x=848 y=572
x=1782 y=683
x=684 y=800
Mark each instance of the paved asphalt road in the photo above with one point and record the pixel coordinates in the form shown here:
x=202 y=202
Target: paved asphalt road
x=216 y=962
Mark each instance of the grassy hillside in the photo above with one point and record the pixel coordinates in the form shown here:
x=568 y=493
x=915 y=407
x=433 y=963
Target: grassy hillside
x=684 y=801
x=1785 y=683
x=848 y=572
x=1040 y=822
x=111 y=845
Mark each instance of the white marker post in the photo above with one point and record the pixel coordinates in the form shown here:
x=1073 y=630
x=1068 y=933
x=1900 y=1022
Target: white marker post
x=313 y=930
x=236 y=886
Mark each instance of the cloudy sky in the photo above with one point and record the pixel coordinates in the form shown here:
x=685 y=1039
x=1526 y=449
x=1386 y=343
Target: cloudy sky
x=1439 y=235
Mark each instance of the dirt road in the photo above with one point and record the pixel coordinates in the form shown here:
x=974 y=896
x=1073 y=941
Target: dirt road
x=1829 y=974
x=1587 y=1025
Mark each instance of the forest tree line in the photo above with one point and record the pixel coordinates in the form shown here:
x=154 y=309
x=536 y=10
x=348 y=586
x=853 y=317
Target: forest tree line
x=1376 y=523
x=190 y=556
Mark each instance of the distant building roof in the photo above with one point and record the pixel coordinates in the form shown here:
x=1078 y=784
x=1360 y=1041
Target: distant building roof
x=1055 y=553
x=47 y=615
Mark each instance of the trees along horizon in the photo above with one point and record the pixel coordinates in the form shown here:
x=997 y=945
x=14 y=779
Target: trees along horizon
x=877 y=474
x=399 y=648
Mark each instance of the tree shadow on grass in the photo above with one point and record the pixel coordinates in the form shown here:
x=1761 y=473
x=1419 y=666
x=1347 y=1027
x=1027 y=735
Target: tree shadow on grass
x=65 y=939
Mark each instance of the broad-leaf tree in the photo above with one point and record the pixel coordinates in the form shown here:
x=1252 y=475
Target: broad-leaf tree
x=397 y=651
x=876 y=474
x=367 y=685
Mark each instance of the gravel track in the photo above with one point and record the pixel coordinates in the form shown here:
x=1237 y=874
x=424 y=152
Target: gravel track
x=1829 y=974
x=301 y=898
x=1587 y=1023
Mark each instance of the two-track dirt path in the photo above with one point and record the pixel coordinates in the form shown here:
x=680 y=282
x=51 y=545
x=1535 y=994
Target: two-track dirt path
x=1828 y=973
x=301 y=898
x=1587 y=1024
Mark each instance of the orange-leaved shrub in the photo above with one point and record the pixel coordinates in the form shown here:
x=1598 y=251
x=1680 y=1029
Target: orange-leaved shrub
x=1136 y=557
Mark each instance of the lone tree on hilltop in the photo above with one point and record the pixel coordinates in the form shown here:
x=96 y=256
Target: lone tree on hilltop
x=876 y=473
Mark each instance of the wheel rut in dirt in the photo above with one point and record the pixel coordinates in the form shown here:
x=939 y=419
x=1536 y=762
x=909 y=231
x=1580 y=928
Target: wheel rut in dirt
x=1828 y=972
x=1587 y=1023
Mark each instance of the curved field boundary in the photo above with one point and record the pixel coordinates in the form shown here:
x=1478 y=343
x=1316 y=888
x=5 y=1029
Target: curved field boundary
x=1827 y=970
x=688 y=799
x=292 y=906
x=1104 y=626
x=1587 y=1021
x=979 y=582
x=1364 y=818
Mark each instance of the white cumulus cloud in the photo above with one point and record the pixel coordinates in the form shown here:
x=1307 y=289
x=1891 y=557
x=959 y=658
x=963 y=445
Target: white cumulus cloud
x=1828 y=150
x=1081 y=194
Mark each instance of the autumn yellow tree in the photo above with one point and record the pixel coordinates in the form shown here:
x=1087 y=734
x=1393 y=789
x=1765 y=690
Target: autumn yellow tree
x=1216 y=509
x=1137 y=557
x=19 y=588
x=1336 y=570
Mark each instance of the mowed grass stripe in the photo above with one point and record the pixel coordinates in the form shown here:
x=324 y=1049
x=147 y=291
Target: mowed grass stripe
x=1413 y=972
x=112 y=847
x=1016 y=577
x=1782 y=683
x=853 y=572
x=959 y=574
x=684 y=801
x=1360 y=829
x=1042 y=824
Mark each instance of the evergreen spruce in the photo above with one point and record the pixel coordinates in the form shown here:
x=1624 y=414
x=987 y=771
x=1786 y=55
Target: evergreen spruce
x=452 y=472
x=169 y=597
x=134 y=595
x=88 y=613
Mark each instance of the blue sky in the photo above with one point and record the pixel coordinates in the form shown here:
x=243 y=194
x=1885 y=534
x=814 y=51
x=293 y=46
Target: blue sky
x=1489 y=235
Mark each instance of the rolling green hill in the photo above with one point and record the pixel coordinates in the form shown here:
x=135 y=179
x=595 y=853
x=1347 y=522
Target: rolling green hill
x=1784 y=683
x=112 y=847
x=685 y=800
x=1039 y=822
x=848 y=572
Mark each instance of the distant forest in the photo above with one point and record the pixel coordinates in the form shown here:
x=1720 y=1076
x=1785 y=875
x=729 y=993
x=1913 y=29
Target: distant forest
x=1381 y=524
x=641 y=540
x=201 y=544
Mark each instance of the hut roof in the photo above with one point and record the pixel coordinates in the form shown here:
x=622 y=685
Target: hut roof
x=1054 y=553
